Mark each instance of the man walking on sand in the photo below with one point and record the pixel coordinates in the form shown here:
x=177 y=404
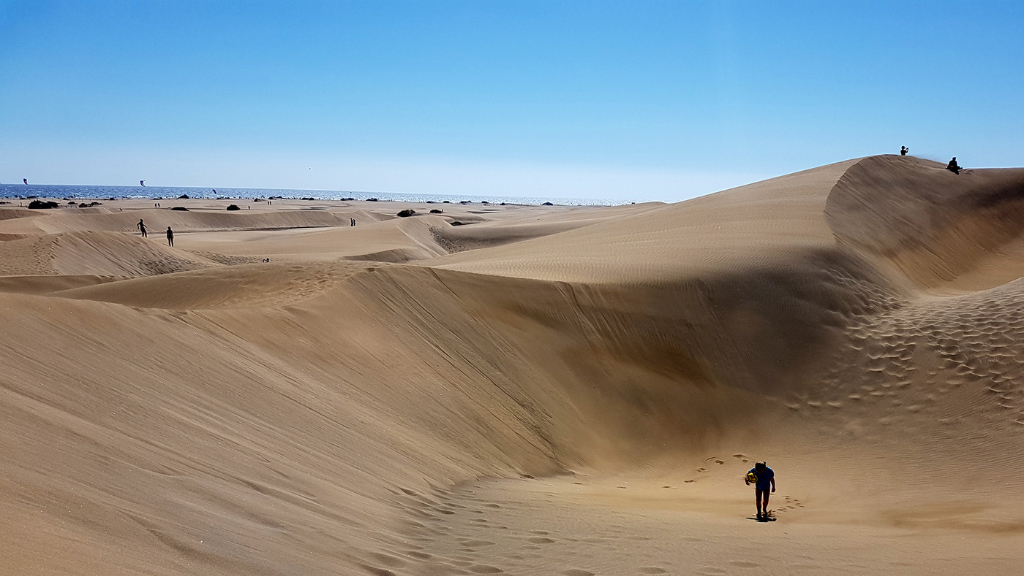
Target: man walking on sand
x=763 y=477
x=141 y=227
x=170 y=237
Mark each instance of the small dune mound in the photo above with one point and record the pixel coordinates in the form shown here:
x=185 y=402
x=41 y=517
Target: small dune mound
x=13 y=213
x=26 y=256
x=103 y=253
x=93 y=253
x=239 y=286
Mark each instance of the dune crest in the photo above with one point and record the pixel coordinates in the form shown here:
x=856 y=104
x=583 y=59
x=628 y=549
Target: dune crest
x=934 y=225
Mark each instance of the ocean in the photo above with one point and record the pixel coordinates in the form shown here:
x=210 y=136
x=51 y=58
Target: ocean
x=68 y=192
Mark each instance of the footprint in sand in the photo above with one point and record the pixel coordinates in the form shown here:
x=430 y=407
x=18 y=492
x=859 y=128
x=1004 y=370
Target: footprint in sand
x=651 y=570
x=744 y=564
x=484 y=569
x=377 y=571
x=388 y=560
x=540 y=540
x=577 y=572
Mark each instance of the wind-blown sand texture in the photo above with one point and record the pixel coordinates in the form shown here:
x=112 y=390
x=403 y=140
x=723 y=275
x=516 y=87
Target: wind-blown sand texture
x=538 y=390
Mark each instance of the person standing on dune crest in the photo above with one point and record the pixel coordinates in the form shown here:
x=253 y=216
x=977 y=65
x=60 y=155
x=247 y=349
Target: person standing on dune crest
x=170 y=237
x=762 y=477
x=142 y=227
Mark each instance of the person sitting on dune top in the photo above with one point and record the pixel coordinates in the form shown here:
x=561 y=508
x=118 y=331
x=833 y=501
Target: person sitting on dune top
x=953 y=166
x=763 y=477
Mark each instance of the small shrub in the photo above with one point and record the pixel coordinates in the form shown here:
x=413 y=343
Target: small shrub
x=371 y=199
x=406 y=213
x=182 y=197
x=547 y=204
x=42 y=204
x=233 y=207
x=436 y=211
x=182 y=208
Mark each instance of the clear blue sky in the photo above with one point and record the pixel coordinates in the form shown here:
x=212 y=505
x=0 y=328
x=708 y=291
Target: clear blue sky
x=637 y=100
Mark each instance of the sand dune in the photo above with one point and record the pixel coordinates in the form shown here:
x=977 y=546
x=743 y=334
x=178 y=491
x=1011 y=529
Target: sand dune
x=933 y=224
x=719 y=232
x=551 y=390
x=93 y=253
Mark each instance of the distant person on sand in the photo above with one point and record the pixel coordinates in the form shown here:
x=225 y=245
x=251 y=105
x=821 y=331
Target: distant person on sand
x=142 y=227
x=953 y=166
x=763 y=477
x=904 y=150
x=170 y=237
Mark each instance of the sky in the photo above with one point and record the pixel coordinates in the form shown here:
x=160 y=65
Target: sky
x=604 y=100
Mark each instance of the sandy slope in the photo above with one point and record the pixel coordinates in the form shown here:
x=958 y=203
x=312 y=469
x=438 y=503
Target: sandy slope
x=569 y=391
